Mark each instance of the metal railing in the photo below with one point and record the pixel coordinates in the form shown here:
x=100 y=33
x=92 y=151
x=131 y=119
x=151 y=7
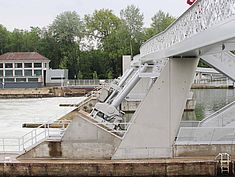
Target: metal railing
x=35 y=136
x=87 y=82
x=214 y=82
x=205 y=135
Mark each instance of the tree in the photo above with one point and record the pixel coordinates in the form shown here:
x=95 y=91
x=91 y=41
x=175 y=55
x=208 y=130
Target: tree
x=67 y=30
x=80 y=75
x=3 y=39
x=101 y=24
x=161 y=20
x=115 y=46
x=31 y=39
x=133 y=19
x=95 y=76
x=110 y=75
x=50 y=48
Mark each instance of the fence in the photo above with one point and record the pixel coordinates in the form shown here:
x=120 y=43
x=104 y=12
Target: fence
x=37 y=135
x=83 y=82
x=214 y=82
x=205 y=135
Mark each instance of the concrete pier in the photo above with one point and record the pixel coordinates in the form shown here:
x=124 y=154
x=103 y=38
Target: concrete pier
x=159 y=167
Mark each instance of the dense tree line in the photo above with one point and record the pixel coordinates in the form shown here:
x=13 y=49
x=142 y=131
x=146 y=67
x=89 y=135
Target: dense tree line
x=90 y=47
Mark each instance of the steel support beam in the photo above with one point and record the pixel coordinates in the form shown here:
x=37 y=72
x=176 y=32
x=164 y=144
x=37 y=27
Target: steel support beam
x=224 y=62
x=156 y=121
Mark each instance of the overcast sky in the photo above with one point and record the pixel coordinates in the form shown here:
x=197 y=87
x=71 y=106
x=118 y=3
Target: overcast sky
x=22 y=14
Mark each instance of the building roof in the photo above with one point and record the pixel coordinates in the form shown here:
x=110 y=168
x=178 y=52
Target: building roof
x=22 y=56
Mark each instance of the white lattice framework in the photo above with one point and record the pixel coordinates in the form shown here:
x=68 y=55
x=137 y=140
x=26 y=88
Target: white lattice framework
x=204 y=14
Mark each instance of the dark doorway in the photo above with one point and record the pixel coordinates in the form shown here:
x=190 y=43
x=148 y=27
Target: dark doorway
x=44 y=77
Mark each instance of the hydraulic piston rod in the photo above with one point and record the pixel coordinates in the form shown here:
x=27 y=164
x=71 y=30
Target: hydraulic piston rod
x=128 y=87
x=122 y=81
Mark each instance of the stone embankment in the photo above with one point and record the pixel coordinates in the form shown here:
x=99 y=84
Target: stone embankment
x=41 y=92
x=88 y=168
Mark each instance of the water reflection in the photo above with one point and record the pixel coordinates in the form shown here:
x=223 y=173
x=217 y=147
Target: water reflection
x=209 y=101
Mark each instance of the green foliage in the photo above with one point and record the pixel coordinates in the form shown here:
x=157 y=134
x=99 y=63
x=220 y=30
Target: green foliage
x=67 y=31
x=101 y=24
x=95 y=76
x=110 y=75
x=105 y=36
x=4 y=34
x=133 y=19
x=160 y=21
x=80 y=75
x=67 y=28
x=203 y=64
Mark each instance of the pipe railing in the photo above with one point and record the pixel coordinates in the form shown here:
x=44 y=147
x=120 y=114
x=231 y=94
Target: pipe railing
x=35 y=136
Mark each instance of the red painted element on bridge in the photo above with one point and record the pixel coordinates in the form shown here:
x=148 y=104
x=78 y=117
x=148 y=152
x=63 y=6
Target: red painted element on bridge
x=190 y=2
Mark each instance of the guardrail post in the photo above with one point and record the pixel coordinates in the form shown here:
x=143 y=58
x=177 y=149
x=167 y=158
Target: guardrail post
x=19 y=144
x=48 y=129
x=45 y=130
x=35 y=133
x=3 y=145
x=23 y=142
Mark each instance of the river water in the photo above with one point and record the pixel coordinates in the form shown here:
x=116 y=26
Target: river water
x=15 y=112
x=209 y=101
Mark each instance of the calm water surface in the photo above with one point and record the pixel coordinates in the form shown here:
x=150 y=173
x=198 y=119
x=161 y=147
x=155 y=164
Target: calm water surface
x=209 y=101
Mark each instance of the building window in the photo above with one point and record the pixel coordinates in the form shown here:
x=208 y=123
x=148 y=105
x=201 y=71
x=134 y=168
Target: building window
x=28 y=72
x=1 y=73
x=37 y=65
x=20 y=79
x=9 y=79
x=28 y=65
x=8 y=73
x=1 y=80
x=18 y=65
x=33 y=79
x=38 y=72
x=18 y=73
x=57 y=78
x=1 y=65
x=8 y=65
x=45 y=65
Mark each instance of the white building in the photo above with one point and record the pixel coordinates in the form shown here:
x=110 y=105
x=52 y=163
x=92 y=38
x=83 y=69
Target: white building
x=23 y=69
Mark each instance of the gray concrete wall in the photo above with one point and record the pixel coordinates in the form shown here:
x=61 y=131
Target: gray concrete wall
x=46 y=149
x=203 y=150
x=85 y=140
x=82 y=140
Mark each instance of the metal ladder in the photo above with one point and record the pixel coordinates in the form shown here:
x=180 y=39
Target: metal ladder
x=224 y=160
